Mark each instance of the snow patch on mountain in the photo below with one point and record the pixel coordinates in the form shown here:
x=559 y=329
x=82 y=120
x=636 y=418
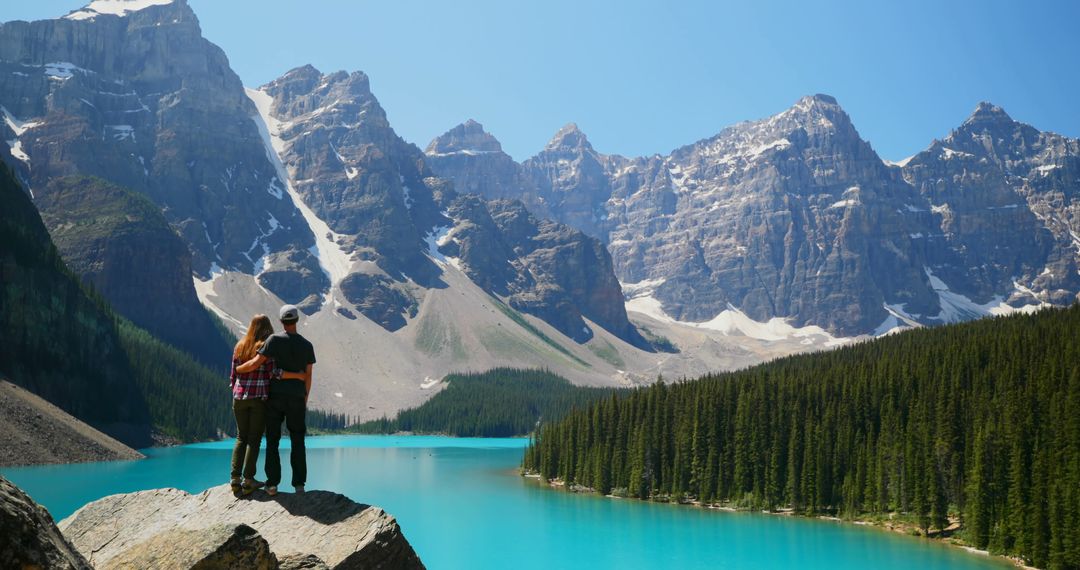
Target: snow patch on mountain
x=350 y=172
x=641 y=288
x=733 y=322
x=898 y=320
x=204 y=290
x=113 y=8
x=956 y=307
x=18 y=152
x=464 y=151
x=901 y=163
x=17 y=126
x=122 y=132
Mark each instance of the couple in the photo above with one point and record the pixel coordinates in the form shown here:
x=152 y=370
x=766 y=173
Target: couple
x=270 y=380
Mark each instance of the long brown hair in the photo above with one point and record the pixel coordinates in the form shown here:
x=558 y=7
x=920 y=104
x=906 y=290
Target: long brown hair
x=257 y=332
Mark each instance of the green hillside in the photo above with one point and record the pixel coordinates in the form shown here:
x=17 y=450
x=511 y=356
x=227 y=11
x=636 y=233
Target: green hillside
x=118 y=242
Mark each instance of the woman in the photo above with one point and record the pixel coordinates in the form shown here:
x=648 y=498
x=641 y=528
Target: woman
x=250 y=391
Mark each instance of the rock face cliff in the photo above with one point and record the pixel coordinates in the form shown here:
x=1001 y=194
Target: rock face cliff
x=28 y=536
x=137 y=97
x=796 y=217
x=120 y=244
x=169 y=526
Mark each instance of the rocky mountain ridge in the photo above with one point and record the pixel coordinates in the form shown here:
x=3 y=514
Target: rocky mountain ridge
x=299 y=191
x=795 y=217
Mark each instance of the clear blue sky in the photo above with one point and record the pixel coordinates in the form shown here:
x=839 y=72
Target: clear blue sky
x=646 y=77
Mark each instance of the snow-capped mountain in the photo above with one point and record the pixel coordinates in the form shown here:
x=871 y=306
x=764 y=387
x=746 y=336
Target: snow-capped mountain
x=796 y=219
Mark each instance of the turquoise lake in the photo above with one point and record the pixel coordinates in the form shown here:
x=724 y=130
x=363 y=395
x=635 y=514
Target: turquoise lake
x=461 y=503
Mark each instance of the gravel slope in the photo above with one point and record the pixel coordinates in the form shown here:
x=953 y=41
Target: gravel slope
x=37 y=432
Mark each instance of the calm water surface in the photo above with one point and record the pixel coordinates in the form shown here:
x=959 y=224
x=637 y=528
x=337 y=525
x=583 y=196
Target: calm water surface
x=461 y=504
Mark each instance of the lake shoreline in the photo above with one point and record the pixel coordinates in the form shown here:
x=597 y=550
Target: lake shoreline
x=892 y=525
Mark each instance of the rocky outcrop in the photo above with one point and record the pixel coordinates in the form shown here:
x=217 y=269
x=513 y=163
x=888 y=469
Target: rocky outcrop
x=318 y=527
x=380 y=299
x=28 y=537
x=474 y=160
x=566 y=182
x=542 y=267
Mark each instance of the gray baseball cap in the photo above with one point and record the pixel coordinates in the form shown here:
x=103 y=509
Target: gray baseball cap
x=289 y=314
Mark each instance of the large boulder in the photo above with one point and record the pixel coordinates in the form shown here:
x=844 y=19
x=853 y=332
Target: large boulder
x=312 y=527
x=28 y=537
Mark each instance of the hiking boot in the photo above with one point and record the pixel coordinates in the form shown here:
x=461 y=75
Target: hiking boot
x=235 y=483
x=250 y=485
x=299 y=489
x=271 y=490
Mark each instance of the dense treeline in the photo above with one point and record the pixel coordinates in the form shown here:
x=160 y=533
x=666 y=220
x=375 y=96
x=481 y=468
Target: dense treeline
x=187 y=401
x=502 y=402
x=978 y=421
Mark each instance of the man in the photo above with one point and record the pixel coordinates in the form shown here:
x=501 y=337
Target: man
x=295 y=356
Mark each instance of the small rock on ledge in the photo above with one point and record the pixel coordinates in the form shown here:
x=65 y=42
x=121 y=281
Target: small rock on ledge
x=317 y=529
x=220 y=546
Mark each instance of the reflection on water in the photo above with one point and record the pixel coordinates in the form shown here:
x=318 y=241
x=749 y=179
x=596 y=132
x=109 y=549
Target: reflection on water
x=461 y=505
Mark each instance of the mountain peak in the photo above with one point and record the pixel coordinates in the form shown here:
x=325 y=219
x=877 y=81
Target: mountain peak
x=818 y=104
x=568 y=137
x=117 y=8
x=987 y=112
x=469 y=136
x=820 y=98
x=816 y=112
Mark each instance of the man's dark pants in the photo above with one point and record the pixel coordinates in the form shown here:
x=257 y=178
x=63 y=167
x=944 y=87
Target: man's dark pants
x=290 y=409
